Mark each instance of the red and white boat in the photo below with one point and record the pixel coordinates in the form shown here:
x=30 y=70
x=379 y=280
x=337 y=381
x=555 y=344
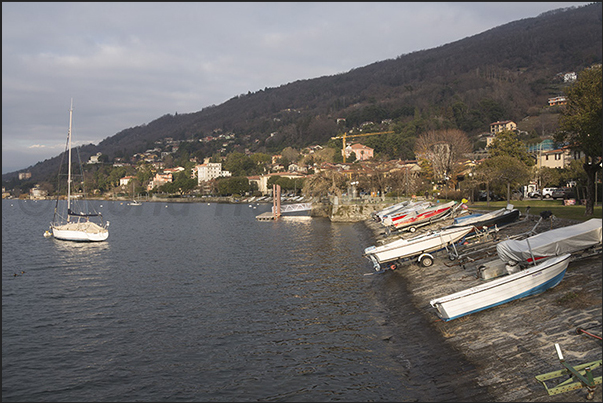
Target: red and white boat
x=425 y=216
x=392 y=217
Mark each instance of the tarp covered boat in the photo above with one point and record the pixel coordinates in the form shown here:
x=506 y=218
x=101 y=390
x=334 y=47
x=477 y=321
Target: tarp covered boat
x=554 y=242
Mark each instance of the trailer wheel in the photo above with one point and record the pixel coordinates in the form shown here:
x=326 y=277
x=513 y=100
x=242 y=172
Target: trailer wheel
x=412 y=229
x=426 y=261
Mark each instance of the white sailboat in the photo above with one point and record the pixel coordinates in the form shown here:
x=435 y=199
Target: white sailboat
x=70 y=222
x=134 y=202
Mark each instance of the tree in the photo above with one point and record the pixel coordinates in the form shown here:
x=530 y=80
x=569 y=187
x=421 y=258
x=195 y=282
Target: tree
x=239 y=164
x=485 y=173
x=507 y=143
x=442 y=149
x=232 y=185
x=581 y=124
x=324 y=183
x=506 y=170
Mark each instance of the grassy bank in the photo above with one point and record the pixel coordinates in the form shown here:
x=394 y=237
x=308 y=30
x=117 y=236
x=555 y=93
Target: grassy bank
x=537 y=206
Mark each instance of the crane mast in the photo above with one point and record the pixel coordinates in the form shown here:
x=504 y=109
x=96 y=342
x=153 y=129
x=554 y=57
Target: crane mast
x=345 y=135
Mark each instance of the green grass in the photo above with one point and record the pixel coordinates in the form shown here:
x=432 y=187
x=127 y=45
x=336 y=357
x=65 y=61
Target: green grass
x=536 y=206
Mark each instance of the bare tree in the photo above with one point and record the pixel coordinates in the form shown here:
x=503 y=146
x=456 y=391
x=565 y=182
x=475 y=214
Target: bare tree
x=442 y=149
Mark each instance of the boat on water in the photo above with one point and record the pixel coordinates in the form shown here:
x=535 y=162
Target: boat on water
x=421 y=246
x=569 y=239
x=421 y=217
x=530 y=281
x=73 y=218
x=134 y=202
x=499 y=218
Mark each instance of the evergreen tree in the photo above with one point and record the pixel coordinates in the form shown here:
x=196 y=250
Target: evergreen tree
x=581 y=126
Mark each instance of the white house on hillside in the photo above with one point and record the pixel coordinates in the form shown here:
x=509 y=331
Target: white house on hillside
x=209 y=171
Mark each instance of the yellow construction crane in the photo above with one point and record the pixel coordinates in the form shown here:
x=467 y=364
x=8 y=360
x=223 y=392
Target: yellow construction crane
x=345 y=135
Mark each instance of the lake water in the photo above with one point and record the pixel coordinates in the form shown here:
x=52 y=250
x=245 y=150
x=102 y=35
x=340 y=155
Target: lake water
x=202 y=302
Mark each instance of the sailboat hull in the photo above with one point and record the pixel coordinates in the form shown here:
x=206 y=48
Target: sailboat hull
x=70 y=224
x=80 y=232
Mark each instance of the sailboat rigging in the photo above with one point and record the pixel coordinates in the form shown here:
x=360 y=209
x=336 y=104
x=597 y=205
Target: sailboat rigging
x=134 y=202
x=70 y=222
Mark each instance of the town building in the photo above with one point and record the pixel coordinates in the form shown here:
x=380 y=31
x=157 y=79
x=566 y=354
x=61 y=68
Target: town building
x=160 y=179
x=557 y=158
x=125 y=180
x=94 y=158
x=361 y=151
x=210 y=171
x=560 y=100
x=502 y=125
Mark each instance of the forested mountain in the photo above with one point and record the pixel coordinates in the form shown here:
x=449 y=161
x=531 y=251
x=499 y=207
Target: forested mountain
x=508 y=72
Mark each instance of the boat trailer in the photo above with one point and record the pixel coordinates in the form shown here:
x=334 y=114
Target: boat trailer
x=580 y=376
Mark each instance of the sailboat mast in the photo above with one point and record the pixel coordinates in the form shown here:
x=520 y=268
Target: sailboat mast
x=69 y=163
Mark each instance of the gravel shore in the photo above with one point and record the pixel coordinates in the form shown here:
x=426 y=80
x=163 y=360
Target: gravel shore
x=512 y=343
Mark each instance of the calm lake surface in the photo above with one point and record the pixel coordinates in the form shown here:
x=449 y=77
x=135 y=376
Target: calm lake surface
x=202 y=302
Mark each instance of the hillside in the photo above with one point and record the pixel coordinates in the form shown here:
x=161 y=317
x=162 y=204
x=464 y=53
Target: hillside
x=507 y=72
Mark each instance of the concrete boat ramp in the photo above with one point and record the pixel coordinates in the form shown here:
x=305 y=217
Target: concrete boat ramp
x=513 y=343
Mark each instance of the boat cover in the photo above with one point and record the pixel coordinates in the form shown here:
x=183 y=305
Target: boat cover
x=555 y=242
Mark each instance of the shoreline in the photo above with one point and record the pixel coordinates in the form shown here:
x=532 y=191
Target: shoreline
x=512 y=343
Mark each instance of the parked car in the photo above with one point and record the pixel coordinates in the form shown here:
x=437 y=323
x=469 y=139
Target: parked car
x=562 y=193
x=547 y=192
x=558 y=193
x=535 y=195
x=483 y=196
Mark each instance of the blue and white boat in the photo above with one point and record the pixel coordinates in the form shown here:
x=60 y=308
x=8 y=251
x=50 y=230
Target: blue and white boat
x=531 y=281
x=499 y=218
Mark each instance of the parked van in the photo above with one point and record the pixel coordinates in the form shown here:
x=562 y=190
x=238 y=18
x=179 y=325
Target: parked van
x=548 y=192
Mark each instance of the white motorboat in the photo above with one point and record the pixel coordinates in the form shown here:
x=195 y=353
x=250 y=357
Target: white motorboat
x=401 y=249
x=533 y=280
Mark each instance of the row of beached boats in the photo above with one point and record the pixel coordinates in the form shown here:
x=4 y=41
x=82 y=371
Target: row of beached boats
x=526 y=265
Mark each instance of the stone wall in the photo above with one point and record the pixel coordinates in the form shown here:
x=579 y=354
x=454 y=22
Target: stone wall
x=355 y=212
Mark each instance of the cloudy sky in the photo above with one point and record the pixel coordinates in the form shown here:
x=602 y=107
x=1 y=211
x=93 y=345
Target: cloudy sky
x=127 y=64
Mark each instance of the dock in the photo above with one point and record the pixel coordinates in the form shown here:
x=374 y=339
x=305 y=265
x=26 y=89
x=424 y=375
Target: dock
x=267 y=216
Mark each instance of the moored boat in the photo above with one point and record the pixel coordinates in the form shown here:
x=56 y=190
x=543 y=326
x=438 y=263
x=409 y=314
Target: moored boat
x=73 y=218
x=531 y=281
